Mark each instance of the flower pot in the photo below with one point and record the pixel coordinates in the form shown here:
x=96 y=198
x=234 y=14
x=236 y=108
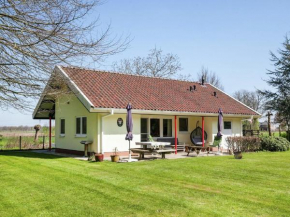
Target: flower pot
x=238 y=155
x=114 y=158
x=99 y=157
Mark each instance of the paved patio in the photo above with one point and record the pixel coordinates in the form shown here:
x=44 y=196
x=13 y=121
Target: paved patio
x=124 y=158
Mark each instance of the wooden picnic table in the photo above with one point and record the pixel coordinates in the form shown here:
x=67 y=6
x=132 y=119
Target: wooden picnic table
x=164 y=151
x=179 y=147
x=152 y=147
x=197 y=149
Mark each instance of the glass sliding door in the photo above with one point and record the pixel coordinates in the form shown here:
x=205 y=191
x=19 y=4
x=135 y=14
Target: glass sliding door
x=155 y=127
x=167 y=127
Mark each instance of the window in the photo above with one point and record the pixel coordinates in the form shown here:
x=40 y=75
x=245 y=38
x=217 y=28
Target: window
x=227 y=125
x=167 y=127
x=183 y=124
x=144 y=129
x=62 y=127
x=155 y=127
x=81 y=126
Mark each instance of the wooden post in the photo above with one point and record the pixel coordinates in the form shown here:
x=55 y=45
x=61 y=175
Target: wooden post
x=20 y=143
x=279 y=130
x=49 y=133
x=202 y=131
x=269 y=114
x=43 y=139
x=175 y=134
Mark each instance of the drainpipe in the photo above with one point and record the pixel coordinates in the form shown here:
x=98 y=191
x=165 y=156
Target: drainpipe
x=175 y=134
x=202 y=131
x=102 y=139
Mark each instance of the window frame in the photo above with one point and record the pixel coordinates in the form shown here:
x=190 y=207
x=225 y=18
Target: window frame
x=182 y=131
x=81 y=134
x=62 y=134
x=225 y=125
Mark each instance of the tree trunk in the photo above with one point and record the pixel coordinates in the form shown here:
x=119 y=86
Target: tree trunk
x=269 y=124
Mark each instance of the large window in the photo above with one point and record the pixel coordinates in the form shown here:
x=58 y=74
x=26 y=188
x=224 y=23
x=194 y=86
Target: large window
x=62 y=127
x=183 y=124
x=167 y=127
x=81 y=126
x=155 y=127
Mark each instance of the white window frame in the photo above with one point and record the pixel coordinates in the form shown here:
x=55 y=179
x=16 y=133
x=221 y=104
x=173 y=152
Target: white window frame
x=62 y=134
x=231 y=125
x=81 y=127
x=228 y=132
x=160 y=126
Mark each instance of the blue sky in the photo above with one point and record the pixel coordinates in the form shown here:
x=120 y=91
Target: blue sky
x=230 y=38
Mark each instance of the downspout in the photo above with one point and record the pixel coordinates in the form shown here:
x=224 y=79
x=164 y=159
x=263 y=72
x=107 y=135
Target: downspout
x=102 y=139
x=202 y=131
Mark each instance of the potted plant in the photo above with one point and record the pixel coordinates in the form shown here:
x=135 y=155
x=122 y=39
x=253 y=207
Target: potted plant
x=99 y=157
x=115 y=157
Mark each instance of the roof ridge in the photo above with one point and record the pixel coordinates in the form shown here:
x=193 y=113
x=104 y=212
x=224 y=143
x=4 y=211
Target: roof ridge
x=123 y=73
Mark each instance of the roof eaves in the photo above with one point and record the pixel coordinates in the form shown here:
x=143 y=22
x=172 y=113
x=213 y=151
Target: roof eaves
x=77 y=91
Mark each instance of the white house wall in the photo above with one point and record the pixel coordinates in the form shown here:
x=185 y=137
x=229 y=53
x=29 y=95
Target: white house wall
x=114 y=136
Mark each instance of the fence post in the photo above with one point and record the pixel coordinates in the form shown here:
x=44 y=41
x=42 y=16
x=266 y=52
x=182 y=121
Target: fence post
x=43 y=138
x=19 y=142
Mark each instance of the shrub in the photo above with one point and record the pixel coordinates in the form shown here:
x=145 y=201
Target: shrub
x=275 y=144
x=243 y=144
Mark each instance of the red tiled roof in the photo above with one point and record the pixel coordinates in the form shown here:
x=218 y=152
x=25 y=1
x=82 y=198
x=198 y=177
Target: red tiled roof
x=115 y=90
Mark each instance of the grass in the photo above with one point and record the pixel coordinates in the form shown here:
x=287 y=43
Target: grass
x=34 y=184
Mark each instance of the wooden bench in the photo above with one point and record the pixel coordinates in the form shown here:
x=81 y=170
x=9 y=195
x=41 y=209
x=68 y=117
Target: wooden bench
x=180 y=145
x=197 y=149
x=163 y=152
x=141 y=152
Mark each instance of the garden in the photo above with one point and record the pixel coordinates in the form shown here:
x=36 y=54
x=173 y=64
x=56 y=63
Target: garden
x=34 y=184
x=238 y=144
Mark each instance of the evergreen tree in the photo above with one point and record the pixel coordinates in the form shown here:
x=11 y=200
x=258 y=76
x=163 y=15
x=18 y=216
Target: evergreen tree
x=279 y=100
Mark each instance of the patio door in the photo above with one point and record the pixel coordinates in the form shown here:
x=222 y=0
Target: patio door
x=144 y=129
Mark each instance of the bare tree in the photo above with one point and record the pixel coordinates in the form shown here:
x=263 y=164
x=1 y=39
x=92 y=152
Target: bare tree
x=156 y=64
x=253 y=99
x=209 y=77
x=37 y=35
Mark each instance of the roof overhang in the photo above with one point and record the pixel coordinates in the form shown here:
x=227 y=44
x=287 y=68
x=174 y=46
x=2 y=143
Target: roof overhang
x=158 y=112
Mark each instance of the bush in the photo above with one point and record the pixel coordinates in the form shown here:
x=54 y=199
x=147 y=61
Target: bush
x=244 y=144
x=274 y=144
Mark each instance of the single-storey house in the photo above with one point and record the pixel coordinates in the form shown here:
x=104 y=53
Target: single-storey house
x=94 y=109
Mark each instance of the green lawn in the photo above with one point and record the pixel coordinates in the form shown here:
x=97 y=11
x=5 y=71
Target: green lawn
x=44 y=185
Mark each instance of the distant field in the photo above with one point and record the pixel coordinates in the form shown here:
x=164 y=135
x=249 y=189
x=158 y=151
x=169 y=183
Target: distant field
x=18 y=133
x=12 y=141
